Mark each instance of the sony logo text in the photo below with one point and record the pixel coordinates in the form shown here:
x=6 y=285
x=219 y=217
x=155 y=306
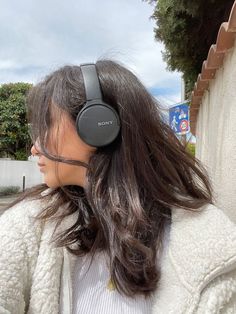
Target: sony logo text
x=103 y=123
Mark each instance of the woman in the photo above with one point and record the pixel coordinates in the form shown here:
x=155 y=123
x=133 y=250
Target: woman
x=125 y=222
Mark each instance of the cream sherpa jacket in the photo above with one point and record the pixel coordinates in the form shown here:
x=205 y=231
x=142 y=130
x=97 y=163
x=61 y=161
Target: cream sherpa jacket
x=198 y=276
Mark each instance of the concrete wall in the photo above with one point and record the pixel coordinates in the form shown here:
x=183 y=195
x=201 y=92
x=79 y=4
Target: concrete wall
x=12 y=172
x=216 y=134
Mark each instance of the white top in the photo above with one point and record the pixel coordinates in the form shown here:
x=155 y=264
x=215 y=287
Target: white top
x=91 y=292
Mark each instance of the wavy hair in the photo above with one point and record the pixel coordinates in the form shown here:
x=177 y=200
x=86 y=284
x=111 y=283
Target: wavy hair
x=133 y=183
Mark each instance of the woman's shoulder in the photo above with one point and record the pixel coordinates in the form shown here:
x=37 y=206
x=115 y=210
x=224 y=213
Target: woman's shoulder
x=20 y=241
x=22 y=209
x=207 y=219
x=199 y=264
x=21 y=217
x=202 y=244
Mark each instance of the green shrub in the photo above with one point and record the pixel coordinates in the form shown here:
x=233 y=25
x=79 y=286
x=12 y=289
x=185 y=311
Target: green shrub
x=21 y=155
x=9 y=190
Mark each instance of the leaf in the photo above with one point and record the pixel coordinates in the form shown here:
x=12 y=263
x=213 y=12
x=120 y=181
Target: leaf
x=13 y=121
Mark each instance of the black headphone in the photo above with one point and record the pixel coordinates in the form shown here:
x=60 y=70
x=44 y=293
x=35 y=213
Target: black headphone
x=97 y=124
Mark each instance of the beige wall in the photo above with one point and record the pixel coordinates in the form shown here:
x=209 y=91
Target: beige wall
x=12 y=172
x=216 y=134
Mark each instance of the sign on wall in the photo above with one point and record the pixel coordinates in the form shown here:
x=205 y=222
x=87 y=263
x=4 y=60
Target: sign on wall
x=179 y=118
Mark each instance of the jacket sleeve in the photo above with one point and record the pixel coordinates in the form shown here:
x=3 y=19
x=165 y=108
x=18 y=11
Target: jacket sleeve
x=219 y=297
x=18 y=251
x=13 y=266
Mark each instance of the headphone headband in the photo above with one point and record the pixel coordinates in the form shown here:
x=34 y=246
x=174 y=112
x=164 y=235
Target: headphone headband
x=97 y=123
x=91 y=82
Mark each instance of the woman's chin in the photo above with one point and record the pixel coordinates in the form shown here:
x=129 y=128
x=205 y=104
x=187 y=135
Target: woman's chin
x=51 y=183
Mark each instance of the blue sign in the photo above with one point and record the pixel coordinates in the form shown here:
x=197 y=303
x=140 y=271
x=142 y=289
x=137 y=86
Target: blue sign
x=179 y=118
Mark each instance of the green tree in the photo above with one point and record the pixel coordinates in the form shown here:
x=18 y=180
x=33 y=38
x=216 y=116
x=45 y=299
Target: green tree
x=14 y=138
x=188 y=29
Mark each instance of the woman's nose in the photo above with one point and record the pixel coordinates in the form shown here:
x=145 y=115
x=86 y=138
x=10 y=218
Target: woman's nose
x=34 y=151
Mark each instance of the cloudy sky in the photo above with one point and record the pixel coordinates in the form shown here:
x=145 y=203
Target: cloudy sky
x=39 y=36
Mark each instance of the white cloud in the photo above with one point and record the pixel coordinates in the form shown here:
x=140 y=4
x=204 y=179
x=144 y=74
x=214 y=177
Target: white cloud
x=39 y=36
x=169 y=100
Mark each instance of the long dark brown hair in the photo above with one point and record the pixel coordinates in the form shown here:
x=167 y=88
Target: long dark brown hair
x=132 y=184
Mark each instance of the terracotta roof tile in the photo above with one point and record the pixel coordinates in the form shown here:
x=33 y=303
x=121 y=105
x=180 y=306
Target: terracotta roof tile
x=202 y=84
x=207 y=73
x=232 y=19
x=225 y=41
x=214 y=58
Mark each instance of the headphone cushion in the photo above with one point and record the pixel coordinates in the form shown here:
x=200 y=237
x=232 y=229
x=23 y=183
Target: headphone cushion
x=98 y=124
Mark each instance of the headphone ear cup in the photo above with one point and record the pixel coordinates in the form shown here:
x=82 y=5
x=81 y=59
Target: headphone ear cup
x=97 y=124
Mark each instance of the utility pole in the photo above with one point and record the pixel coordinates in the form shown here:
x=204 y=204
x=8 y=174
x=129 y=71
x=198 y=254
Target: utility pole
x=183 y=137
x=182 y=89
